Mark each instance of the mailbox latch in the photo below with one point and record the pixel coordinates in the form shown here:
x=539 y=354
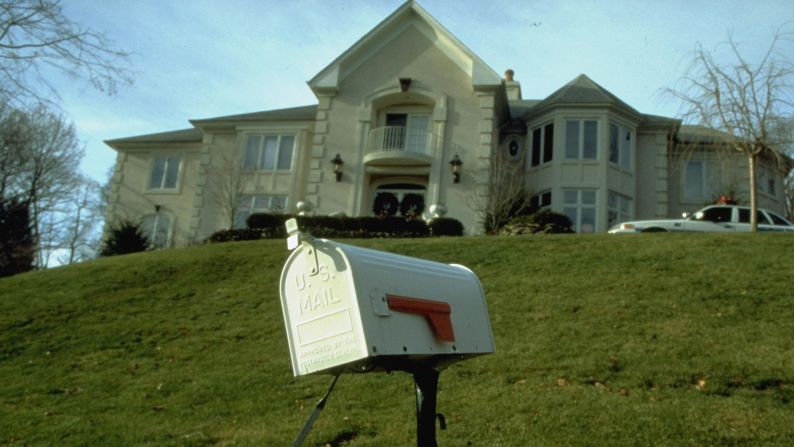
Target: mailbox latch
x=295 y=238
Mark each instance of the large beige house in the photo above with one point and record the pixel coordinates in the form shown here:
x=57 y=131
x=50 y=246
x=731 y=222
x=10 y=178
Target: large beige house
x=408 y=118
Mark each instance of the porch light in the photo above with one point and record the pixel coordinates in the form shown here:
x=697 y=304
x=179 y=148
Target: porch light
x=157 y=208
x=405 y=83
x=338 y=162
x=454 y=166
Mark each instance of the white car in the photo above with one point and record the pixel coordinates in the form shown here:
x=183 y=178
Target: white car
x=723 y=218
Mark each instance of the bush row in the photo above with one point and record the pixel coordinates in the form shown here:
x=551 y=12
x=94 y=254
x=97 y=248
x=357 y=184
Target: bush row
x=265 y=226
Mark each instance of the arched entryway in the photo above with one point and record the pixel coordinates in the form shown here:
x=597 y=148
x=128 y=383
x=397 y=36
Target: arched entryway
x=399 y=196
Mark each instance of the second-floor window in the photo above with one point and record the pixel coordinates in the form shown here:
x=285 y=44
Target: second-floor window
x=620 y=146
x=165 y=172
x=694 y=181
x=542 y=144
x=269 y=152
x=407 y=131
x=581 y=139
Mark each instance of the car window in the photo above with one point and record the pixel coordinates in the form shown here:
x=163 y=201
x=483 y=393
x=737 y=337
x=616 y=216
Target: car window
x=717 y=214
x=744 y=216
x=777 y=219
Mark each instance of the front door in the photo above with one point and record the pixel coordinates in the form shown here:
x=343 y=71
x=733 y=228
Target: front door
x=399 y=199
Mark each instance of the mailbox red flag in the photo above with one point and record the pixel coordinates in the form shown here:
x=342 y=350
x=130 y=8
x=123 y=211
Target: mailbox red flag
x=437 y=313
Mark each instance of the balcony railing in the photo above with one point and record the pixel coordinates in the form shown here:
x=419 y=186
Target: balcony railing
x=401 y=138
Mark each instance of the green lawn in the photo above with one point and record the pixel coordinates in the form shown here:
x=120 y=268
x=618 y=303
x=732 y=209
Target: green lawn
x=657 y=339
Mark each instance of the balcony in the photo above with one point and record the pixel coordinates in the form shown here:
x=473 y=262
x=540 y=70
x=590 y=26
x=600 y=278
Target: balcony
x=400 y=145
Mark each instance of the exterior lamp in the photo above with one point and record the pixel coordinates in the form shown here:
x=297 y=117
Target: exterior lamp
x=338 y=162
x=405 y=83
x=454 y=166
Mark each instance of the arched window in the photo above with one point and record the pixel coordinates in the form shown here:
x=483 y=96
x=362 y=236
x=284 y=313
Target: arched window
x=157 y=228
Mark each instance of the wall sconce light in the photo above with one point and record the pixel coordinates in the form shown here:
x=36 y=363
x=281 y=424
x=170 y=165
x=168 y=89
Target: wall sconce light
x=338 y=162
x=405 y=83
x=454 y=166
x=157 y=208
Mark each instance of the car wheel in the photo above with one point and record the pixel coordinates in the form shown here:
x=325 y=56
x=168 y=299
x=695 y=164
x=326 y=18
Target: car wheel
x=654 y=230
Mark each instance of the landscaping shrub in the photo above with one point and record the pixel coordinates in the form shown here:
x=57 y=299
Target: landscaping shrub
x=242 y=234
x=125 y=237
x=543 y=221
x=445 y=226
x=17 y=247
x=267 y=226
x=265 y=220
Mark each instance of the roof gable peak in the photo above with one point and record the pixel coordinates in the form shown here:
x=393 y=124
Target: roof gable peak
x=408 y=14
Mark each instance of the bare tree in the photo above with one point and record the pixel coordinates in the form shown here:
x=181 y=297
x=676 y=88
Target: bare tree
x=79 y=239
x=505 y=192
x=36 y=39
x=744 y=101
x=41 y=156
x=227 y=181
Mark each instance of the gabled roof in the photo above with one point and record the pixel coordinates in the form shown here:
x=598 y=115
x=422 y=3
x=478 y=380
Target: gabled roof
x=175 y=136
x=410 y=13
x=192 y=135
x=583 y=91
x=689 y=133
x=303 y=113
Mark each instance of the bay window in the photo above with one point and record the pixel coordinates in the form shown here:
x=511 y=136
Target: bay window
x=542 y=144
x=620 y=146
x=581 y=139
x=619 y=208
x=580 y=206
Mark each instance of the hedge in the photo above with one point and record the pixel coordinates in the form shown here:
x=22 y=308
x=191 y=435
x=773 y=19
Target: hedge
x=269 y=226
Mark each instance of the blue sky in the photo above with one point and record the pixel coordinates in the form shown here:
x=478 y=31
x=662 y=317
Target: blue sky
x=203 y=58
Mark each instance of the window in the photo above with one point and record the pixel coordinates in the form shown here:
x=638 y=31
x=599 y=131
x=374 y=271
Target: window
x=620 y=146
x=165 y=172
x=744 y=216
x=694 y=187
x=777 y=219
x=581 y=139
x=406 y=198
x=269 y=152
x=157 y=228
x=260 y=203
x=540 y=201
x=716 y=214
x=766 y=181
x=542 y=144
x=405 y=131
x=580 y=206
x=619 y=208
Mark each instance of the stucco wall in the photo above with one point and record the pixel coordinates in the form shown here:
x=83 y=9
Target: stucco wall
x=457 y=115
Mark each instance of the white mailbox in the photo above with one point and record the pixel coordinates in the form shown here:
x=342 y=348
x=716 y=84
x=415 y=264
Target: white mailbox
x=362 y=310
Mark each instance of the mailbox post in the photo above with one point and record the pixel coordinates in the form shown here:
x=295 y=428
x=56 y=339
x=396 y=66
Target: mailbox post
x=351 y=309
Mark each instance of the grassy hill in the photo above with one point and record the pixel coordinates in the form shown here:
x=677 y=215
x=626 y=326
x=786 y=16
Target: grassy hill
x=601 y=340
